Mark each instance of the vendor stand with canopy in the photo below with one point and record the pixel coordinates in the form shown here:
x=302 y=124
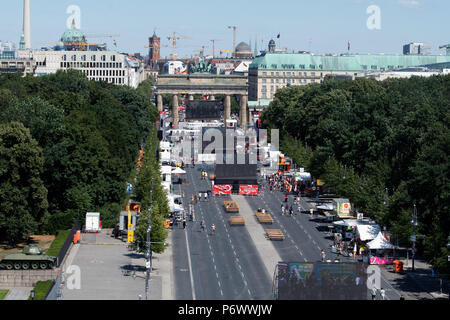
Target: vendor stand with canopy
x=381 y=252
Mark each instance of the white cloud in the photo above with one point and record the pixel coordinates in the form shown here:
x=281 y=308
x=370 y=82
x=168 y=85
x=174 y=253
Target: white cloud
x=409 y=3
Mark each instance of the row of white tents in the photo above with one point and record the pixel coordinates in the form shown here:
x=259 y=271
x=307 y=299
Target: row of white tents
x=167 y=172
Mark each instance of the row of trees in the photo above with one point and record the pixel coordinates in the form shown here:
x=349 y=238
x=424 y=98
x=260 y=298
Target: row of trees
x=149 y=189
x=385 y=145
x=68 y=146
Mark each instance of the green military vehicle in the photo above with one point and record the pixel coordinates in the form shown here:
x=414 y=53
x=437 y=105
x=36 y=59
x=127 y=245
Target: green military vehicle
x=31 y=258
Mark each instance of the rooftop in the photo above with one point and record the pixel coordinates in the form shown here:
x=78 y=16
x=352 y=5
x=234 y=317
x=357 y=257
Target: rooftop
x=352 y=62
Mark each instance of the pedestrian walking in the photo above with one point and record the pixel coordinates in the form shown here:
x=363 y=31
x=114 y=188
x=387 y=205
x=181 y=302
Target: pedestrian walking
x=282 y=209
x=374 y=293
x=286 y=198
x=383 y=294
x=184 y=223
x=322 y=255
x=291 y=211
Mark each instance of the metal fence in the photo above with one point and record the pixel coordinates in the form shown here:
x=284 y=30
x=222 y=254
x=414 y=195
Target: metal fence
x=66 y=245
x=54 y=292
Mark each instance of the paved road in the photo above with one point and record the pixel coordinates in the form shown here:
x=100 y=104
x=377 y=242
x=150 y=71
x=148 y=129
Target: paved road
x=226 y=265
x=229 y=265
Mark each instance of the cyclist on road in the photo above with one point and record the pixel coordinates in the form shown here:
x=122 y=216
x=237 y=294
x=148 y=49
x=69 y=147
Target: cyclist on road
x=203 y=225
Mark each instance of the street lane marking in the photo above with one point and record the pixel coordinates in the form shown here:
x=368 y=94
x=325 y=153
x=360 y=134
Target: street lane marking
x=190 y=268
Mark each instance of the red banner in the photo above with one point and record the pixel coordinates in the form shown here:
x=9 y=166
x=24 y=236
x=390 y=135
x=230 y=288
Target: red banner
x=248 y=190
x=219 y=190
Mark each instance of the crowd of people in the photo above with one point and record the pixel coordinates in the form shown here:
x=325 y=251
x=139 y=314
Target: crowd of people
x=288 y=185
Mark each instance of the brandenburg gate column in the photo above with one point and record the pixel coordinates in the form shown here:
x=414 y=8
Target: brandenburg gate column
x=175 y=111
x=227 y=111
x=243 y=115
x=250 y=116
x=159 y=102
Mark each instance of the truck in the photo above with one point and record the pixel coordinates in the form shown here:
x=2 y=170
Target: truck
x=93 y=223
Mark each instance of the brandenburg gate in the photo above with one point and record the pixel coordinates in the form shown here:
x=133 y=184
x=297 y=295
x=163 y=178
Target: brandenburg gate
x=204 y=84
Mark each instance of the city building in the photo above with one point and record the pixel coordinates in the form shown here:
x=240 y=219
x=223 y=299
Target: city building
x=272 y=71
x=154 y=54
x=108 y=66
x=417 y=48
x=7 y=50
x=243 y=51
x=24 y=66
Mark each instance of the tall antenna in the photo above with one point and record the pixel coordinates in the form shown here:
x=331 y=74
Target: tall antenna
x=26 y=23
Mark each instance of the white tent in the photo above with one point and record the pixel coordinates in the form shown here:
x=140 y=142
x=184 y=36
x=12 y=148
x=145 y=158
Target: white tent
x=166 y=169
x=167 y=186
x=380 y=242
x=327 y=207
x=178 y=171
x=368 y=231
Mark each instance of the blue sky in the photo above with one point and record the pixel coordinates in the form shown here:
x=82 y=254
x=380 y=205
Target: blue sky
x=329 y=23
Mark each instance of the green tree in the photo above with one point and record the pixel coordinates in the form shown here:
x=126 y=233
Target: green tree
x=22 y=191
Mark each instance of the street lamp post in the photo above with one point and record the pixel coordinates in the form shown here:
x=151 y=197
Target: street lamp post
x=413 y=237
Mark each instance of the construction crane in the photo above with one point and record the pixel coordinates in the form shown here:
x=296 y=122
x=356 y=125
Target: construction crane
x=214 y=45
x=174 y=40
x=447 y=47
x=202 y=50
x=222 y=51
x=234 y=36
x=102 y=35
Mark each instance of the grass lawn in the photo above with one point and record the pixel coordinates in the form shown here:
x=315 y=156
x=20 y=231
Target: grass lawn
x=3 y=294
x=56 y=245
x=41 y=289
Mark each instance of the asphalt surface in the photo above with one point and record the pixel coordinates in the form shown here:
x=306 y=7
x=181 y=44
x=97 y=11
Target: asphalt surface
x=225 y=265
x=228 y=265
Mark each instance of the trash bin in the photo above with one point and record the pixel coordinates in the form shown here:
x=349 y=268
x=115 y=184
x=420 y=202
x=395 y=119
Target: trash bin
x=398 y=266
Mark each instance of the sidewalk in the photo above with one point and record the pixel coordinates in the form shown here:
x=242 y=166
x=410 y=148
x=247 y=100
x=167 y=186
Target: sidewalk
x=111 y=271
x=18 y=294
x=417 y=285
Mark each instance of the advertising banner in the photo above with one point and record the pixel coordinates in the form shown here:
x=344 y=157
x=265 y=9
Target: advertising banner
x=381 y=261
x=248 y=190
x=344 y=209
x=219 y=190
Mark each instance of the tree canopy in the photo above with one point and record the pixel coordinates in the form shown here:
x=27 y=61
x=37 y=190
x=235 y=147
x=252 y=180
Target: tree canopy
x=392 y=140
x=89 y=135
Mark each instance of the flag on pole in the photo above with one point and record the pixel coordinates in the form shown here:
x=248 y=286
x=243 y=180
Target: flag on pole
x=278 y=36
x=115 y=43
x=349 y=46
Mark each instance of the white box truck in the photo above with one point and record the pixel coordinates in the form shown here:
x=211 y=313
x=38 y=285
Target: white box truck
x=93 y=224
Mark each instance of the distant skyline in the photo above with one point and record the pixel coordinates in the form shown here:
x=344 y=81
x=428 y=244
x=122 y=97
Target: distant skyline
x=331 y=24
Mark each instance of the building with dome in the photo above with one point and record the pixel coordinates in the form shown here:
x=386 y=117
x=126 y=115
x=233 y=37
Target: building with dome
x=243 y=51
x=73 y=39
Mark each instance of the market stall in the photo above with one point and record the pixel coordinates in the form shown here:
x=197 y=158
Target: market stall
x=381 y=252
x=327 y=210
